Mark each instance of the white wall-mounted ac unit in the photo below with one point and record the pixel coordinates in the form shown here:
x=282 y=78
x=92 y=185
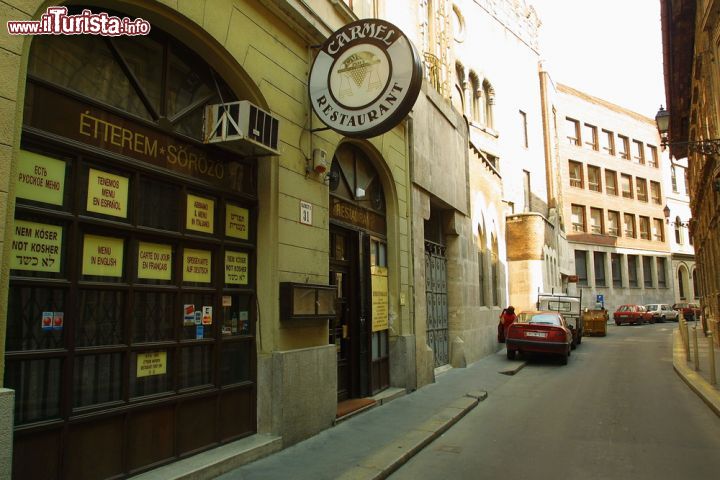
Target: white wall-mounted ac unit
x=241 y=127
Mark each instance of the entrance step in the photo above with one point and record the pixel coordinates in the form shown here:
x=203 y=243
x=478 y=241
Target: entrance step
x=215 y=462
x=388 y=395
x=348 y=408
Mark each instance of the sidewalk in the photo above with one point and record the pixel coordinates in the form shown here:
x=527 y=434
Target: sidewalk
x=374 y=444
x=367 y=446
x=699 y=381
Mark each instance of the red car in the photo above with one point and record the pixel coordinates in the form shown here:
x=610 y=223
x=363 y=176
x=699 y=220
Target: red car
x=543 y=332
x=632 y=314
x=690 y=311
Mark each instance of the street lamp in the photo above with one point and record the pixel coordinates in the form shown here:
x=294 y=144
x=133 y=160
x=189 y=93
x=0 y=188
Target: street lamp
x=705 y=147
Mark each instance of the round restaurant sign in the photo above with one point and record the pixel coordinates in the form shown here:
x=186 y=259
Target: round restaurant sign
x=365 y=78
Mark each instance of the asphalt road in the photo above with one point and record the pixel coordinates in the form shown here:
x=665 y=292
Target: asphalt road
x=616 y=411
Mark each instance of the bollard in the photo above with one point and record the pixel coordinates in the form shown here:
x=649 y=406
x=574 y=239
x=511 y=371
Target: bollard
x=695 y=349
x=687 y=340
x=711 y=355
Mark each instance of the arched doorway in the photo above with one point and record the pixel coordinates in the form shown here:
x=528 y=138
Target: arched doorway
x=358 y=267
x=128 y=342
x=683 y=282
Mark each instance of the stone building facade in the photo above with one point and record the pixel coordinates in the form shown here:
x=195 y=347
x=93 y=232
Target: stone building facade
x=611 y=179
x=681 y=240
x=160 y=321
x=690 y=53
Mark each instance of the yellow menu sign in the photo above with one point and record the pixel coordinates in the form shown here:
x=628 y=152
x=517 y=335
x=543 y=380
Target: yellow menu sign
x=197 y=265
x=236 y=222
x=236 y=268
x=154 y=261
x=103 y=256
x=200 y=213
x=379 y=288
x=36 y=247
x=151 y=363
x=107 y=193
x=40 y=178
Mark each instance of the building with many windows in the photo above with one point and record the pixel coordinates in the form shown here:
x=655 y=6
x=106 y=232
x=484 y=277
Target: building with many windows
x=611 y=176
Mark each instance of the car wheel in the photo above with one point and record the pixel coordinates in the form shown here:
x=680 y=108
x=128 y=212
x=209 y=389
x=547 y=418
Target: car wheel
x=511 y=354
x=564 y=358
x=662 y=319
x=617 y=323
x=573 y=345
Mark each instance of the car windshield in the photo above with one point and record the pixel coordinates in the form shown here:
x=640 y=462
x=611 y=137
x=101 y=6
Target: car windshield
x=624 y=308
x=543 y=318
x=651 y=307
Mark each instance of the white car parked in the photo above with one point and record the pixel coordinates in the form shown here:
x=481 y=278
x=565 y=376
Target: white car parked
x=662 y=312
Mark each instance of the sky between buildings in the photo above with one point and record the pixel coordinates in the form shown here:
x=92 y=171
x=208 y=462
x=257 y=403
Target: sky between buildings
x=611 y=49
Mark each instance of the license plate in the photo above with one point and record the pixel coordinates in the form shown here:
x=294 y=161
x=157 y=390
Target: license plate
x=536 y=334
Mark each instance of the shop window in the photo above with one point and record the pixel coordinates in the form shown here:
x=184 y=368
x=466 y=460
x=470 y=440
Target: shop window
x=146 y=285
x=101 y=318
x=165 y=199
x=97 y=379
x=152 y=316
x=37 y=388
x=27 y=329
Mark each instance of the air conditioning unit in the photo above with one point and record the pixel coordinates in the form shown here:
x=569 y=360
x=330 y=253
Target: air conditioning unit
x=241 y=127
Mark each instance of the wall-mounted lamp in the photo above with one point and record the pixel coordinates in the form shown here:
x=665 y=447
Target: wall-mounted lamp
x=705 y=147
x=666 y=212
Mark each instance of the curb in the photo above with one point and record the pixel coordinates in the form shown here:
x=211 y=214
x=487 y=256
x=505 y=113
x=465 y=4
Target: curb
x=695 y=381
x=384 y=462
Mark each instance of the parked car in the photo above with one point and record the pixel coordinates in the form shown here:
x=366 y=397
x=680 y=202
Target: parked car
x=662 y=312
x=539 y=331
x=570 y=307
x=634 y=314
x=689 y=310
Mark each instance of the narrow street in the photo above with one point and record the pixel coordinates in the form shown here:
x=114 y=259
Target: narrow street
x=617 y=410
